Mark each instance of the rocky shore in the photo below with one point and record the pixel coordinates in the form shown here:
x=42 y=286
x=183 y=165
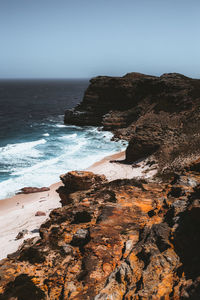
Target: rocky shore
x=125 y=238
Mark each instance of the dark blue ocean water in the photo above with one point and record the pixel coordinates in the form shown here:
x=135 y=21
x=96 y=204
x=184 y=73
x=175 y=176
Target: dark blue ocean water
x=35 y=146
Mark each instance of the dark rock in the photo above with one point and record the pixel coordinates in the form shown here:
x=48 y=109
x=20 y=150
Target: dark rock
x=187 y=240
x=81 y=238
x=176 y=192
x=82 y=217
x=158 y=115
x=33 y=255
x=22 y=288
x=21 y=234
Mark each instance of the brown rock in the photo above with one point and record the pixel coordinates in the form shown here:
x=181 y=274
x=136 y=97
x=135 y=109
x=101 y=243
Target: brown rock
x=116 y=247
x=81 y=180
x=30 y=190
x=40 y=213
x=76 y=181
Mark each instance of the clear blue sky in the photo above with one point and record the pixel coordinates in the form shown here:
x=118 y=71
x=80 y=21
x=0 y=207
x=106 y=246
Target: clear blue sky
x=85 y=38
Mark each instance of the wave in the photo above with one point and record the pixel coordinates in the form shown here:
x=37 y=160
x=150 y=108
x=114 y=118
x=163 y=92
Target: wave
x=47 y=172
x=40 y=163
x=53 y=161
x=20 y=148
x=60 y=125
x=36 y=166
x=70 y=127
x=68 y=137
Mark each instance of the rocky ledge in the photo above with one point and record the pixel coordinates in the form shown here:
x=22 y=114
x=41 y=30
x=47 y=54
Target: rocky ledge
x=157 y=115
x=126 y=239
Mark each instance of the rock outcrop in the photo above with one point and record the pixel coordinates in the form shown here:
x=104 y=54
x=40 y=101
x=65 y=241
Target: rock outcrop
x=78 y=181
x=126 y=239
x=30 y=190
x=156 y=114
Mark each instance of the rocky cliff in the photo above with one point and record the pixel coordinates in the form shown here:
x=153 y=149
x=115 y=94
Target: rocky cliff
x=156 y=114
x=126 y=239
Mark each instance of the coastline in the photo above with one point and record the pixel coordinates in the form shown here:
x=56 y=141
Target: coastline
x=18 y=212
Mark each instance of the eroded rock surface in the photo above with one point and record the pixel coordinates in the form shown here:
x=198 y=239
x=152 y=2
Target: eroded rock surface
x=126 y=239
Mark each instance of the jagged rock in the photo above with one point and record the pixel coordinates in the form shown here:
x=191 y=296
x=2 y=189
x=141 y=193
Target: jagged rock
x=126 y=239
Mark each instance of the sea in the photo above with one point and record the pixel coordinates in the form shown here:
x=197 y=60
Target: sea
x=35 y=145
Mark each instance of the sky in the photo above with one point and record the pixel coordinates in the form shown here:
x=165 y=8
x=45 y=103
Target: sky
x=86 y=38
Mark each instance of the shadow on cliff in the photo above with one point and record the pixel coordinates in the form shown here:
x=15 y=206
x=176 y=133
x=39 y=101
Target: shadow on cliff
x=22 y=288
x=187 y=238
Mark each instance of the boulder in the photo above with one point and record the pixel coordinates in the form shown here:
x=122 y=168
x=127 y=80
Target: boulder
x=81 y=180
x=76 y=182
x=40 y=213
x=30 y=190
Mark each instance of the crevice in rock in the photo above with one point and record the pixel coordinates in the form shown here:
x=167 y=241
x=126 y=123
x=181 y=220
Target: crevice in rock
x=145 y=257
x=82 y=217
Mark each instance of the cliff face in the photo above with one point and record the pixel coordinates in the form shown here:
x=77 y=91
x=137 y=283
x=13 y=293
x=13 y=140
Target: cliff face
x=125 y=239
x=156 y=114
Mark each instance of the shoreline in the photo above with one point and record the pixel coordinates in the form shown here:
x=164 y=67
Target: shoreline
x=18 y=212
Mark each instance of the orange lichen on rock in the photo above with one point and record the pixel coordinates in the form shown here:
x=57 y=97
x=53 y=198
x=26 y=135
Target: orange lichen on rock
x=131 y=242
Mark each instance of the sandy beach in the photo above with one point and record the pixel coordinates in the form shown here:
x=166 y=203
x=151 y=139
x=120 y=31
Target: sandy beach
x=18 y=213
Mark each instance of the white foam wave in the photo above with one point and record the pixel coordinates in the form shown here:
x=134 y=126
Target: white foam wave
x=14 y=149
x=48 y=163
x=46 y=134
x=60 y=125
x=68 y=137
x=30 y=165
x=37 y=166
x=77 y=147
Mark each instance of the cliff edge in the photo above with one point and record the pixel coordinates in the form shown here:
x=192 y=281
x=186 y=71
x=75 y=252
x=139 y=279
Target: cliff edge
x=155 y=114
